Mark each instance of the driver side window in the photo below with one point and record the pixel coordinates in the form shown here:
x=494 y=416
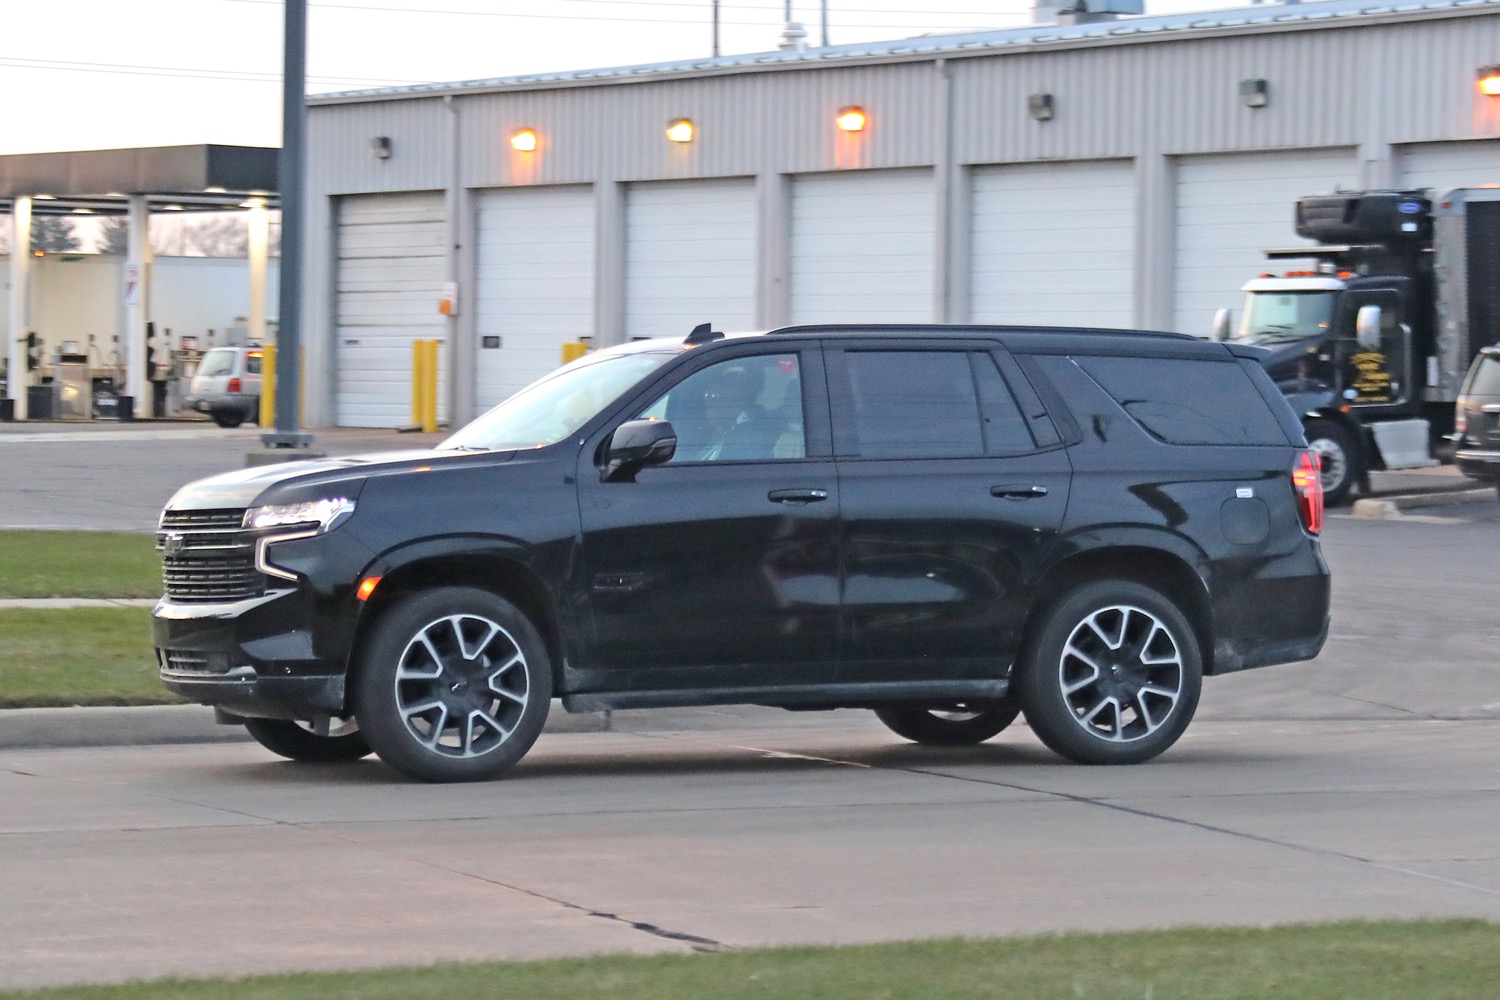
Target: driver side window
x=745 y=409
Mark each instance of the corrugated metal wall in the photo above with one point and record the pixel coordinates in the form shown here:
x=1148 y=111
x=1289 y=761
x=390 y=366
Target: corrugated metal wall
x=1369 y=82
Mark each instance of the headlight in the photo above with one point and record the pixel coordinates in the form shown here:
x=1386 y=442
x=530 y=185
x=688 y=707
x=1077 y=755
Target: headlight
x=324 y=514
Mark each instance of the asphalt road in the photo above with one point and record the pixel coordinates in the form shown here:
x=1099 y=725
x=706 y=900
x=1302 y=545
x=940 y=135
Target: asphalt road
x=1363 y=784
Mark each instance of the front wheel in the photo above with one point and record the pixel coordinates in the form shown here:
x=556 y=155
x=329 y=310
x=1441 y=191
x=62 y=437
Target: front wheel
x=296 y=741
x=454 y=685
x=949 y=725
x=1338 y=458
x=1113 y=674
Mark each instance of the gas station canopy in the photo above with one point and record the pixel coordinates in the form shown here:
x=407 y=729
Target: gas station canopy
x=204 y=178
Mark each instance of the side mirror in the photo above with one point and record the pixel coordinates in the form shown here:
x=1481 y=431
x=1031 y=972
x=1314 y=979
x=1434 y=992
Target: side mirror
x=635 y=445
x=1223 y=319
x=1367 y=328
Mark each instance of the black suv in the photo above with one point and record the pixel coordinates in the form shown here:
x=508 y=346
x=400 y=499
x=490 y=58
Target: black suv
x=1476 y=419
x=947 y=525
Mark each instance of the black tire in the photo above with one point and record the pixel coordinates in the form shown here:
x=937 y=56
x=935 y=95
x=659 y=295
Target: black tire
x=959 y=724
x=296 y=742
x=1338 y=456
x=228 y=418
x=453 y=685
x=1112 y=675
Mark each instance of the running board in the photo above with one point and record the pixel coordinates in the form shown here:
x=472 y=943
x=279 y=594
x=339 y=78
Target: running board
x=807 y=696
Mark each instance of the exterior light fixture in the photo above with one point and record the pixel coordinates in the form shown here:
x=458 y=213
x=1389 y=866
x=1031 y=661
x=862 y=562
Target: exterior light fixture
x=381 y=147
x=1255 y=93
x=1489 y=81
x=681 y=130
x=1040 y=107
x=44 y=197
x=523 y=140
x=851 y=120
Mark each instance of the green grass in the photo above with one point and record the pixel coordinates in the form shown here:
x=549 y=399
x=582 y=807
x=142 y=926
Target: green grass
x=78 y=564
x=1445 y=960
x=77 y=656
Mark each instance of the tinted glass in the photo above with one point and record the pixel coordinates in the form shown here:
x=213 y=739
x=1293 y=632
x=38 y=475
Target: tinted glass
x=745 y=409
x=914 y=404
x=1188 y=402
x=252 y=364
x=1005 y=428
x=1484 y=377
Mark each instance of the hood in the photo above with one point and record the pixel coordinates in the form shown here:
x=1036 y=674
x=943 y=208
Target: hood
x=1277 y=357
x=311 y=479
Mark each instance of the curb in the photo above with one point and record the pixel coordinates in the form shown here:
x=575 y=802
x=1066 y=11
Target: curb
x=1393 y=507
x=54 y=603
x=78 y=727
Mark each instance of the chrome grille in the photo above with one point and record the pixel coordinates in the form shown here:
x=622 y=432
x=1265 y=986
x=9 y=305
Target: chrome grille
x=206 y=557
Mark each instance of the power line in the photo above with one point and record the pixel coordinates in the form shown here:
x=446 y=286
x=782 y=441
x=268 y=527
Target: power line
x=183 y=72
x=926 y=26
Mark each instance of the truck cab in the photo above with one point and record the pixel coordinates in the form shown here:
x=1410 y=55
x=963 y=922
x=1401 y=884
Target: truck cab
x=1370 y=338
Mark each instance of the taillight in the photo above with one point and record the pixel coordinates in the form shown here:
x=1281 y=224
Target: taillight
x=1307 y=479
x=234 y=385
x=1460 y=420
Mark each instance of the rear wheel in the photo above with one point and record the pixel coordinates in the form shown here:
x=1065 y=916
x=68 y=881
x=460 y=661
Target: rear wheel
x=1113 y=674
x=454 y=685
x=300 y=742
x=228 y=418
x=949 y=725
x=1337 y=458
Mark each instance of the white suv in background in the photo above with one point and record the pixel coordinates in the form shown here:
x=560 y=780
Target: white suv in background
x=227 y=385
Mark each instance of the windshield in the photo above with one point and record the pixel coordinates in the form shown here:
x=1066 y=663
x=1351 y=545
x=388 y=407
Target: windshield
x=549 y=410
x=217 y=362
x=1276 y=317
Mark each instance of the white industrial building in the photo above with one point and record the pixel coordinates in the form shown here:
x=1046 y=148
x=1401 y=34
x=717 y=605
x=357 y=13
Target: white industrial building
x=1122 y=173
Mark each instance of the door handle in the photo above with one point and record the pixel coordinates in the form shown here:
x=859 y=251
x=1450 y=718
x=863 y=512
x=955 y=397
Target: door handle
x=798 y=496
x=1018 y=492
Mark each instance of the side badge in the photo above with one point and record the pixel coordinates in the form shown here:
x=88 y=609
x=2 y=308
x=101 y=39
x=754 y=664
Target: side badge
x=1244 y=492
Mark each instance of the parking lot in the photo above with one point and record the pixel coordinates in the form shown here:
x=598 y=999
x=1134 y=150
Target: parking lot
x=1362 y=784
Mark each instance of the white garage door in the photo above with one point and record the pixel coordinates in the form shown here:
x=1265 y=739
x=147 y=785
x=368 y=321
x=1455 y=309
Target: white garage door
x=1053 y=243
x=1444 y=166
x=690 y=257
x=390 y=276
x=1232 y=207
x=863 y=246
x=535 y=284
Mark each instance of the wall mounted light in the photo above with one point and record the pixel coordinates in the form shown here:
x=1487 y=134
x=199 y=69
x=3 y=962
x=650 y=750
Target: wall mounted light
x=851 y=119
x=1489 y=81
x=1255 y=93
x=681 y=130
x=523 y=140
x=381 y=147
x=1040 y=107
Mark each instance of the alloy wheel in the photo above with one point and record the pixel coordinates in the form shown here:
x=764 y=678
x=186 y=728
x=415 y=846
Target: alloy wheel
x=1121 y=673
x=461 y=685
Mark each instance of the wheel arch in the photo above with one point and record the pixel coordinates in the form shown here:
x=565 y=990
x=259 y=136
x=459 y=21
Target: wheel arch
x=1151 y=566
x=505 y=576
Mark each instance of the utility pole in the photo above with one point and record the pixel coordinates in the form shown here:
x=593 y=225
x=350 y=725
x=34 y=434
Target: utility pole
x=716 y=29
x=293 y=168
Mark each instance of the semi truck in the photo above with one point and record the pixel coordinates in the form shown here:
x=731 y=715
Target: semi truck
x=1370 y=338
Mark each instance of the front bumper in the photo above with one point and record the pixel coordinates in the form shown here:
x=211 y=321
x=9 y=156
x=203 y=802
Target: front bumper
x=1478 y=464
x=254 y=657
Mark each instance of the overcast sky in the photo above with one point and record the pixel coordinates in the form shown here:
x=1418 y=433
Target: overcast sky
x=100 y=74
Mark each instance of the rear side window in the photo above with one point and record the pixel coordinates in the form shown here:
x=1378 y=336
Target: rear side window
x=1187 y=402
x=1484 y=378
x=932 y=404
x=252 y=364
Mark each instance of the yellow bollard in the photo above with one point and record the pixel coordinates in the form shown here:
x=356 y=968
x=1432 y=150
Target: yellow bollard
x=418 y=382
x=430 y=395
x=572 y=350
x=268 y=386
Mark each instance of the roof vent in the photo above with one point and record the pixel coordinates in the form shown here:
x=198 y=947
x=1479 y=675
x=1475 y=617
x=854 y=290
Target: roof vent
x=1084 y=11
x=793 y=37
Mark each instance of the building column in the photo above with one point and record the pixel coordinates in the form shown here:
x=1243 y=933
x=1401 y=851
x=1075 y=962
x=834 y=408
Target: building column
x=137 y=295
x=258 y=224
x=773 y=198
x=609 y=263
x=1155 y=240
x=20 y=298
